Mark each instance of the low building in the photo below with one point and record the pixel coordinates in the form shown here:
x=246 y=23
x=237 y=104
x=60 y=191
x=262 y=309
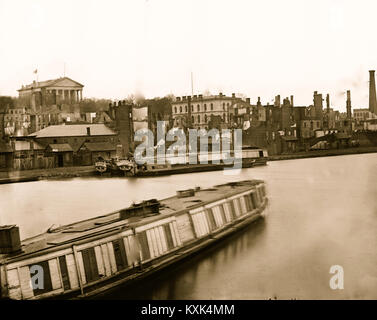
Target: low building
x=63 y=142
x=91 y=151
x=28 y=154
x=6 y=155
x=62 y=153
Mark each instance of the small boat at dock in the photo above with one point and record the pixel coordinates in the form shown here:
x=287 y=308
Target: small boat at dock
x=92 y=256
x=250 y=157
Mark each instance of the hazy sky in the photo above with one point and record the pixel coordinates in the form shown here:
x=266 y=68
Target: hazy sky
x=257 y=48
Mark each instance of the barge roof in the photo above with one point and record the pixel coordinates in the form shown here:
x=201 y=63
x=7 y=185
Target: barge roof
x=86 y=230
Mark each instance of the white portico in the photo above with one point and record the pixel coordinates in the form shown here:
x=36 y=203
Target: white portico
x=52 y=92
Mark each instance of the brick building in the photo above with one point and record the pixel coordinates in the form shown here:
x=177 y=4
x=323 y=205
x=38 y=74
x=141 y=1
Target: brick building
x=64 y=142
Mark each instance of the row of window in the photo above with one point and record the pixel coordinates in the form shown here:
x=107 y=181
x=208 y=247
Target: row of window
x=111 y=257
x=16 y=111
x=198 y=108
x=211 y=219
x=206 y=118
x=152 y=243
x=312 y=124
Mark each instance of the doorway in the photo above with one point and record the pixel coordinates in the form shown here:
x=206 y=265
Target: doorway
x=60 y=160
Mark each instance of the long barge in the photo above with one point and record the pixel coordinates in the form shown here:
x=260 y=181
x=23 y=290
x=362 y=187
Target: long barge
x=92 y=256
x=250 y=157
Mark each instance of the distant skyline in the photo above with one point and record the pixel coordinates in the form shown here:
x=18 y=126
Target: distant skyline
x=255 y=48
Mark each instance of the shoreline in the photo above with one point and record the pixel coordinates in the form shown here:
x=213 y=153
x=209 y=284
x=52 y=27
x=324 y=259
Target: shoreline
x=323 y=153
x=82 y=171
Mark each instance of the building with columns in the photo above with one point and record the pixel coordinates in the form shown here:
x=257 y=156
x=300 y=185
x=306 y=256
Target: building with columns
x=39 y=95
x=44 y=103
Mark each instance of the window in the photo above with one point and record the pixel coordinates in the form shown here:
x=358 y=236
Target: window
x=120 y=254
x=90 y=264
x=205 y=118
x=211 y=219
x=143 y=240
x=169 y=238
x=64 y=272
x=205 y=107
x=192 y=108
x=192 y=119
x=198 y=118
x=223 y=105
x=180 y=109
x=175 y=109
x=198 y=107
x=185 y=108
x=47 y=284
x=211 y=106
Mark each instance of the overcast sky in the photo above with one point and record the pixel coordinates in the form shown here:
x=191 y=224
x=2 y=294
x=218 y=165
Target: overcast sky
x=257 y=48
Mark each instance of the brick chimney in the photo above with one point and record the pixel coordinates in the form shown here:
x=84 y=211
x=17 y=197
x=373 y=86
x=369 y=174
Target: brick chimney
x=328 y=103
x=372 y=93
x=277 y=101
x=349 y=111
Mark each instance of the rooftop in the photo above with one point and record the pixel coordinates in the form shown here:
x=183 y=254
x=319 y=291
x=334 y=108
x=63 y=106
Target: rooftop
x=86 y=229
x=47 y=83
x=99 y=146
x=73 y=130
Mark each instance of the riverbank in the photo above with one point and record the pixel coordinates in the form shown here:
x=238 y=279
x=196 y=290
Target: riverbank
x=40 y=174
x=323 y=153
x=70 y=172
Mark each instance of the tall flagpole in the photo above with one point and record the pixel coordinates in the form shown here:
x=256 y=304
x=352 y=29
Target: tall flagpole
x=192 y=85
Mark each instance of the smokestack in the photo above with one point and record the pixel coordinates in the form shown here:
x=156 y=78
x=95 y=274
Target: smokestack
x=349 y=112
x=277 y=101
x=372 y=93
x=328 y=103
x=291 y=101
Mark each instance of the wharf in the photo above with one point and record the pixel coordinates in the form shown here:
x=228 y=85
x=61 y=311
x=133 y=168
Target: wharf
x=40 y=174
x=323 y=153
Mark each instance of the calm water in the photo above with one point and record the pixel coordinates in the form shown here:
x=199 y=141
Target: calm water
x=322 y=212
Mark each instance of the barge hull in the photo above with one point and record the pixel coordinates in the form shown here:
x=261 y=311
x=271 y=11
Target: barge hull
x=177 y=257
x=92 y=256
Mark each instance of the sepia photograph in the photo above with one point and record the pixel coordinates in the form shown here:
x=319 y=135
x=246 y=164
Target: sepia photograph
x=185 y=150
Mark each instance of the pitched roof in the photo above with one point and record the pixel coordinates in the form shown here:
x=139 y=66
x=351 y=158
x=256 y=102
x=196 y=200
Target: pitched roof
x=60 y=147
x=99 y=146
x=73 y=130
x=47 y=83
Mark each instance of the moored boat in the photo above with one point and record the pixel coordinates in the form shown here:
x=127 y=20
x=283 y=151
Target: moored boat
x=92 y=256
x=250 y=157
x=101 y=165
